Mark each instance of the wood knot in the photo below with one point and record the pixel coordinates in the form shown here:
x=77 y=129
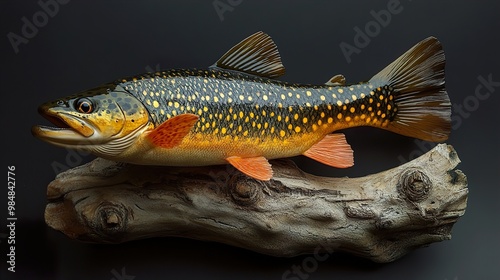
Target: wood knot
x=415 y=185
x=110 y=219
x=245 y=191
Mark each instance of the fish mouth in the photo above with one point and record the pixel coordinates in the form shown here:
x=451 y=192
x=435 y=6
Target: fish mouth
x=68 y=129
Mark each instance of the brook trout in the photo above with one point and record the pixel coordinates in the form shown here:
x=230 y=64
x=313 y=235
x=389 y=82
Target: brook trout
x=236 y=112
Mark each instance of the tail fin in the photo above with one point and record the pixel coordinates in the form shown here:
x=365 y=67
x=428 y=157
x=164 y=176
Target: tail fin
x=423 y=106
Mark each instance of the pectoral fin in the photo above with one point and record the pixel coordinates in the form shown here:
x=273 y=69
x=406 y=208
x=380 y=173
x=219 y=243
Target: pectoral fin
x=170 y=133
x=333 y=150
x=256 y=167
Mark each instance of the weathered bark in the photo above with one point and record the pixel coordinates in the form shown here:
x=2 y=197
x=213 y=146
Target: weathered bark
x=380 y=217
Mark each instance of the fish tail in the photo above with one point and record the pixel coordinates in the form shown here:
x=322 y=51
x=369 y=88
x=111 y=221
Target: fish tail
x=416 y=80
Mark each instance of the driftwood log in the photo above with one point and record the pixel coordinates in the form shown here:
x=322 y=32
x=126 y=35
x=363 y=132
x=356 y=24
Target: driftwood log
x=380 y=217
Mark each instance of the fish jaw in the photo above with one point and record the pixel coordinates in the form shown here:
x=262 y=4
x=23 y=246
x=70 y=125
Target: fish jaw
x=68 y=130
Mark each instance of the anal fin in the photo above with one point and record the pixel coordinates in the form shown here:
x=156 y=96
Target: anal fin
x=333 y=150
x=256 y=167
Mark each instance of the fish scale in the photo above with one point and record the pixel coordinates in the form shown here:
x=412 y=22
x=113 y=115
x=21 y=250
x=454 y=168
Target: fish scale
x=236 y=112
x=245 y=106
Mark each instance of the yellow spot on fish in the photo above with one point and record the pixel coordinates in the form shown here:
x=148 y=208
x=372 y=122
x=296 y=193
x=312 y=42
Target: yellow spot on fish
x=362 y=95
x=322 y=97
x=352 y=110
x=319 y=122
x=245 y=133
x=287 y=118
x=242 y=97
x=264 y=97
x=308 y=93
x=282 y=133
x=304 y=120
x=259 y=125
x=314 y=127
x=279 y=118
x=339 y=103
x=381 y=97
x=144 y=92
x=162 y=112
x=247 y=119
x=283 y=96
x=347 y=119
x=205 y=108
x=289 y=94
x=297 y=129
x=290 y=126
x=216 y=99
x=156 y=104
x=354 y=97
x=296 y=116
x=334 y=95
x=241 y=114
x=363 y=106
x=176 y=104
x=330 y=120
x=322 y=114
x=363 y=116
x=266 y=125
x=272 y=129
x=339 y=116
x=389 y=107
x=340 y=90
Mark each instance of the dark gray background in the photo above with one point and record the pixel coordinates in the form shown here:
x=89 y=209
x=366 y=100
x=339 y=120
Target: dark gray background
x=88 y=43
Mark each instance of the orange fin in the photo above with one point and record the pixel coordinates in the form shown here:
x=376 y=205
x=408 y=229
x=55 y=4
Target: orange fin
x=170 y=133
x=333 y=150
x=256 y=167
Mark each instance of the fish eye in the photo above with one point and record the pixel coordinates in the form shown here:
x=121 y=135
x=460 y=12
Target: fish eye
x=84 y=106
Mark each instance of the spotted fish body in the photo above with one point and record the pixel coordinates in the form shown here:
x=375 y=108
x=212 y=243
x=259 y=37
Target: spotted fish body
x=252 y=116
x=235 y=112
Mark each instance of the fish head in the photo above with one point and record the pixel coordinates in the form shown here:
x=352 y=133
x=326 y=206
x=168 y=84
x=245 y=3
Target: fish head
x=105 y=117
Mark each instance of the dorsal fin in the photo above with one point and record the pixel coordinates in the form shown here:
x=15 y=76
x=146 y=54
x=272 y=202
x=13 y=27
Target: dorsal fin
x=337 y=80
x=256 y=55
